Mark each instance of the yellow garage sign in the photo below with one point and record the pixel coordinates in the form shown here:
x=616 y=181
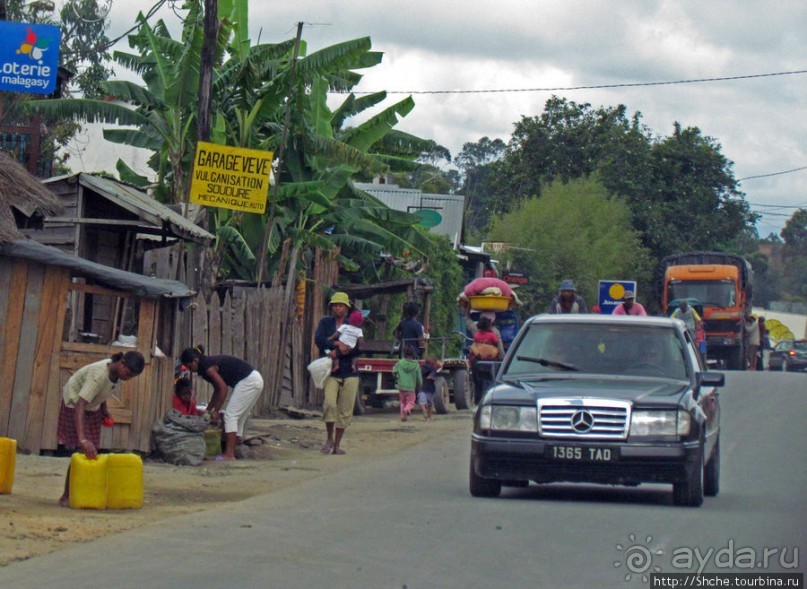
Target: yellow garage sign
x=231 y=177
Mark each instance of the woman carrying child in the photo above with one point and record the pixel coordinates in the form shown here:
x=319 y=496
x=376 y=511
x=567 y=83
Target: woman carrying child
x=342 y=385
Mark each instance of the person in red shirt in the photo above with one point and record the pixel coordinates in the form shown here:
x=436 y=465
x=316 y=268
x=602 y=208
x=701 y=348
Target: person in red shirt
x=183 y=397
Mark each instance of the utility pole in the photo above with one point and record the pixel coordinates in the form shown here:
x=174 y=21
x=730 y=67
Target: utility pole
x=211 y=26
x=281 y=152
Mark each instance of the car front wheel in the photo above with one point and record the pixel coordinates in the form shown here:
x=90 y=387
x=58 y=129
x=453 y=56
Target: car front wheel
x=689 y=492
x=482 y=487
x=711 y=475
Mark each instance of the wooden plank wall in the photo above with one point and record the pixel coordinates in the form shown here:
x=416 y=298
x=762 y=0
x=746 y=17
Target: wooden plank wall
x=35 y=363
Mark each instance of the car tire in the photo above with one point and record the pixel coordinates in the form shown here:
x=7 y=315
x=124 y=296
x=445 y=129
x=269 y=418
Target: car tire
x=482 y=487
x=711 y=475
x=441 y=399
x=461 y=392
x=689 y=493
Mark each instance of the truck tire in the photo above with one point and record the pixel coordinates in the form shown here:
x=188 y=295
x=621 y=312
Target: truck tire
x=735 y=358
x=462 y=392
x=441 y=395
x=358 y=403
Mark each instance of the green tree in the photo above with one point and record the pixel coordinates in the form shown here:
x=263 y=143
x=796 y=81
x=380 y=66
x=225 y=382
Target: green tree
x=476 y=163
x=574 y=230
x=794 y=255
x=681 y=189
x=257 y=88
x=83 y=53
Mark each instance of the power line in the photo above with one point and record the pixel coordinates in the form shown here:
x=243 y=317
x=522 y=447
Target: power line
x=798 y=206
x=773 y=174
x=595 y=87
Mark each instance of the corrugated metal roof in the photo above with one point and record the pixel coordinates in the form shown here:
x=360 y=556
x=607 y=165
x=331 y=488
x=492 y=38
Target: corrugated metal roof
x=450 y=206
x=144 y=286
x=144 y=206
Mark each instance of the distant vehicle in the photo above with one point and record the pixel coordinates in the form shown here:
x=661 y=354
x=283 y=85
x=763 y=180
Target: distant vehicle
x=600 y=399
x=789 y=355
x=719 y=286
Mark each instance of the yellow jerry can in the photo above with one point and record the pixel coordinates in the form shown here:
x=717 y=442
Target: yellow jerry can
x=88 y=482
x=124 y=481
x=8 y=458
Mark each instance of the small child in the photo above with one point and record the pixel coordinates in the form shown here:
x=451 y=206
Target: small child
x=486 y=342
x=408 y=379
x=183 y=397
x=431 y=367
x=348 y=335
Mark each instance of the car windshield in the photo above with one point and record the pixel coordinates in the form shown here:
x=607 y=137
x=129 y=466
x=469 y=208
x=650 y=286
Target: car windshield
x=801 y=346
x=599 y=349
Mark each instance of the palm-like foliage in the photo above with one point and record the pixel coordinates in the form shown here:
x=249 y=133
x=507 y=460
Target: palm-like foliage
x=253 y=88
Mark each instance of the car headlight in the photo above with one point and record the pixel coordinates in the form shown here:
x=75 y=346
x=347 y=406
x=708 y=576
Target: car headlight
x=508 y=418
x=660 y=423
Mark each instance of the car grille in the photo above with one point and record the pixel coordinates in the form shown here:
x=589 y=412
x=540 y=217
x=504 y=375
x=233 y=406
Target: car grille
x=584 y=418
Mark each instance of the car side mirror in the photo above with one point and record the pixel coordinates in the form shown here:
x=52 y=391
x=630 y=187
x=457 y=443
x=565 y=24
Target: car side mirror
x=711 y=379
x=708 y=379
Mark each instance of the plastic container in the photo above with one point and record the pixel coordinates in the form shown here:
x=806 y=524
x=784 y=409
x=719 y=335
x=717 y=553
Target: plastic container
x=88 y=482
x=124 y=481
x=8 y=458
x=489 y=303
x=212 y=442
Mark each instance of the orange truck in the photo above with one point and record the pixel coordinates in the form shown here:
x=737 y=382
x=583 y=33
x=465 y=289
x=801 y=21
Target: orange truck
x=719 y=286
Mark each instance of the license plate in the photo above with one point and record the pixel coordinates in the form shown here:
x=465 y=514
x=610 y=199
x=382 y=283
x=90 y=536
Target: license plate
x=581 y=453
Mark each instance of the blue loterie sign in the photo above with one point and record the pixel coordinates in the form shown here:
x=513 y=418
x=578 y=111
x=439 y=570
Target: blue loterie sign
x=29 y=57
x=611 y=293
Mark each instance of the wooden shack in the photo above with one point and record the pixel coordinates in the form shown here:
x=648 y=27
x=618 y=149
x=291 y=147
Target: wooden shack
x=37 y=358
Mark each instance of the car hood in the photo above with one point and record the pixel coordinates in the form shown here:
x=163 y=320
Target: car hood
x=650 y=391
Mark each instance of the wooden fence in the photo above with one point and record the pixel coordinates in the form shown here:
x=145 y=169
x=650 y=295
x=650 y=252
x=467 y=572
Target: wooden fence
x=269 y=328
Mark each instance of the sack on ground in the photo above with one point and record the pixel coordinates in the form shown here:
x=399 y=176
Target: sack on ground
x=180 y=439
x=320 y=369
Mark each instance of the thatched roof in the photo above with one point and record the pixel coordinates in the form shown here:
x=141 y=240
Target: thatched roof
x=24 y=192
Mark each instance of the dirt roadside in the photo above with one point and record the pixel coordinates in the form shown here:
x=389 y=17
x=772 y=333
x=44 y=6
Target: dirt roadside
x=33 y=524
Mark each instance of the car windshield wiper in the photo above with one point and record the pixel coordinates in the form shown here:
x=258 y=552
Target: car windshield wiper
x=551 y=363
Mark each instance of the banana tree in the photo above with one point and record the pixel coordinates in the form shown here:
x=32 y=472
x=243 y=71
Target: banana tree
x=252 y=89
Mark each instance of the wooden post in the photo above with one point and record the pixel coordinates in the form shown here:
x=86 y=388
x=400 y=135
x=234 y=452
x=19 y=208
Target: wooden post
x=281 y=153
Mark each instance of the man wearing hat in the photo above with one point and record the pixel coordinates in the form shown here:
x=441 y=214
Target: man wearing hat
x=342 y=385
x=629 y=306
x=567 y=300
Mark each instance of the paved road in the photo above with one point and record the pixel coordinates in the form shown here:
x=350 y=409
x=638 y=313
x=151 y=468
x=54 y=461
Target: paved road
x=409 y=522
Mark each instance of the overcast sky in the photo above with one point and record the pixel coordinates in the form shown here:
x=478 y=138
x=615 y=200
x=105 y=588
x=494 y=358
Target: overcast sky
x=761 y=123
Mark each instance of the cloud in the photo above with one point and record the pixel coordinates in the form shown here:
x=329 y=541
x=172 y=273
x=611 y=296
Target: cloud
x=521 y=44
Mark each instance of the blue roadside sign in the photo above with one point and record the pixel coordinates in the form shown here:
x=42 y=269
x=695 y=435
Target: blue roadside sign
x=29 y=57
x=611 y=293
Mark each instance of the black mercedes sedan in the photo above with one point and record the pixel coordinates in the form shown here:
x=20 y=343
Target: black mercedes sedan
x=604 y=399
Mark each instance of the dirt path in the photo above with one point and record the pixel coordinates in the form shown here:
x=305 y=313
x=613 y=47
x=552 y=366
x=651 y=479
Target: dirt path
x=32 y=523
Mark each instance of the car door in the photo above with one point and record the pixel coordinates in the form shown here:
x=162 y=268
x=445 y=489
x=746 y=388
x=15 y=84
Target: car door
x=775 y=362
x=708 y=399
